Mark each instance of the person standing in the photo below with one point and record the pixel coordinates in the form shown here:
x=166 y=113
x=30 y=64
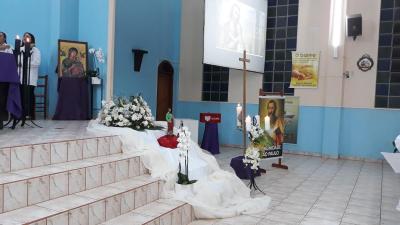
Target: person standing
x=4 y=47
x=29 y=103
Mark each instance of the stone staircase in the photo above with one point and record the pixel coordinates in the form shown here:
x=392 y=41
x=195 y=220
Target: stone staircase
x=82 y=182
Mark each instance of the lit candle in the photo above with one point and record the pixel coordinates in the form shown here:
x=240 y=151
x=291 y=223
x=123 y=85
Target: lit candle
x=267 y=123
x=17 y=44
x=28 y=46
x=238 y=115
x=248 y=122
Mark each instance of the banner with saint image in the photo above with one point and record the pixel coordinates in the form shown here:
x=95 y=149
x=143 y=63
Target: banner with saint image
x=305 y=68
x=272 y=120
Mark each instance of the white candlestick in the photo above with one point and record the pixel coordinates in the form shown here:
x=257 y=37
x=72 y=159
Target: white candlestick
x=267 y=123
x=238 y=115
x=257 y=120
x=248 y=123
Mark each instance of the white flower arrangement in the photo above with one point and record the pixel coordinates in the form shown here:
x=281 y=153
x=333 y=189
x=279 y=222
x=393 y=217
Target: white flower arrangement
x=184 y=146
x=133 y=113
x=183 y=141
x=255 y=132
x=98 y=55
x=252 y=157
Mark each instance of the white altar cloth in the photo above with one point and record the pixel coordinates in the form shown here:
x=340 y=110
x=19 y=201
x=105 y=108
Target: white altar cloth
x=216 y=194
x=394 y=161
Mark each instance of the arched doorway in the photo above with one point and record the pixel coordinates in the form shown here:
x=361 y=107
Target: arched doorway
x=165 y=89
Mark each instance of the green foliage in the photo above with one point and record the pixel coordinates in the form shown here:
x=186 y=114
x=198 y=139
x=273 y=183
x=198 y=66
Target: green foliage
x=183 y=179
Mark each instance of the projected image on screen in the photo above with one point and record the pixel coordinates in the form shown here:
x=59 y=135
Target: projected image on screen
x=232 y=26
x=233 y=35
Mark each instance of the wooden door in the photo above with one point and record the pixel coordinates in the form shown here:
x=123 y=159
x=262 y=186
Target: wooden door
x=164 y=90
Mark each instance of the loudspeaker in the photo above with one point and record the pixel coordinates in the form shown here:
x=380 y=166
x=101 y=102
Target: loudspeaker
x=137 y=58
x=354 y=26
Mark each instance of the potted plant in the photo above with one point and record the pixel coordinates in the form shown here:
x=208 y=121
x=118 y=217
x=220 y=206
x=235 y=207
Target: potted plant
x=183 y=146
x=98 y=58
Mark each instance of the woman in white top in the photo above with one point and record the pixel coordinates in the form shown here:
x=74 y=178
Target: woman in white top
x=28 y=99
x=4 y=47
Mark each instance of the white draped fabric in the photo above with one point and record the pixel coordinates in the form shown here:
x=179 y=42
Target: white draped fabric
x=216 y=194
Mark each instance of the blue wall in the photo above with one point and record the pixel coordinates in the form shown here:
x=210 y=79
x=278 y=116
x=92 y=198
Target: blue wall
x=50 y=20
x=36 y=19
x=327 y=131
x=152 y=25
x=93 y=28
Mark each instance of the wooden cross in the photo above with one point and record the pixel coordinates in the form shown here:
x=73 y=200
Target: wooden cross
x=244 y=60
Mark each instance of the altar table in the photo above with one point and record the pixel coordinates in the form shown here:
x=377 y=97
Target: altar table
x=394 y=161
x=210 y=137
x=9 y=75
x=73 y=99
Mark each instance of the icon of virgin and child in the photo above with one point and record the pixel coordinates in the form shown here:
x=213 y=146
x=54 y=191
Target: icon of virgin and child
x=72 y=66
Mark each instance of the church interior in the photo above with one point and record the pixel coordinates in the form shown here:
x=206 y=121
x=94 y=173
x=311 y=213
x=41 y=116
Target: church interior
x=200 y=112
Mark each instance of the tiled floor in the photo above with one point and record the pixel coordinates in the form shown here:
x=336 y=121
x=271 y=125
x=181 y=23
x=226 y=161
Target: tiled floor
x=319 y=191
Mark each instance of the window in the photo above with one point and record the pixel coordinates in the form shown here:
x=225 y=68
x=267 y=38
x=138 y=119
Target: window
x=281 y=41
x=387 y=93
x=215 y=83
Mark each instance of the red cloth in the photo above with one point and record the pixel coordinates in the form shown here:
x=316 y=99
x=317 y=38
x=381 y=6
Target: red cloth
x=168 y=141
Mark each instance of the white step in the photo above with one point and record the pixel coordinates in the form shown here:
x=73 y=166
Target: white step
x=16 y=158
x=160 y=212
x=31 y=186
x=89 y=207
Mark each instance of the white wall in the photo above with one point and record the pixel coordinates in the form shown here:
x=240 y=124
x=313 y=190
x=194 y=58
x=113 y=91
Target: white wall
x=359 y=90
x=191 y=50
x=254 y=83
x=313 y=35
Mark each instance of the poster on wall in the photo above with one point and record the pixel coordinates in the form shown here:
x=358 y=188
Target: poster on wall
x=304 y=70
x=291 y=119
x=272 y=111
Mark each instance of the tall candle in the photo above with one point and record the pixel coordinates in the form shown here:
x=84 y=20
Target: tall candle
x=267 y=123
x=17 y=44
x=28 y=46
x=238 y=115
x=248 y=122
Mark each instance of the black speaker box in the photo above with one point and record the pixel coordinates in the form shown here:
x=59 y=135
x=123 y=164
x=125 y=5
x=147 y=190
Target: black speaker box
x=354 y=26
x=137 y=58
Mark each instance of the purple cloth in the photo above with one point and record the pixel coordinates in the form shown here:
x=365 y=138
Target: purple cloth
x=241 y=170
x=9 y=74
x=210 y=138
x=73 y=99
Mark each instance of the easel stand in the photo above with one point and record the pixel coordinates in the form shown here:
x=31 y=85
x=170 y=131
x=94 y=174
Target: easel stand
x=278 y=165
x=26 y=94
x=252 y=185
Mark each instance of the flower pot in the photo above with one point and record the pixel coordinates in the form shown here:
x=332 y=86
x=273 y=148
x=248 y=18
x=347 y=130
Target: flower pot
x=96 y=81
x=183 y=189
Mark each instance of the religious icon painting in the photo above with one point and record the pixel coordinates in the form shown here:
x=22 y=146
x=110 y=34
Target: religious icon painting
x=272 y=121
x=72 y=58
